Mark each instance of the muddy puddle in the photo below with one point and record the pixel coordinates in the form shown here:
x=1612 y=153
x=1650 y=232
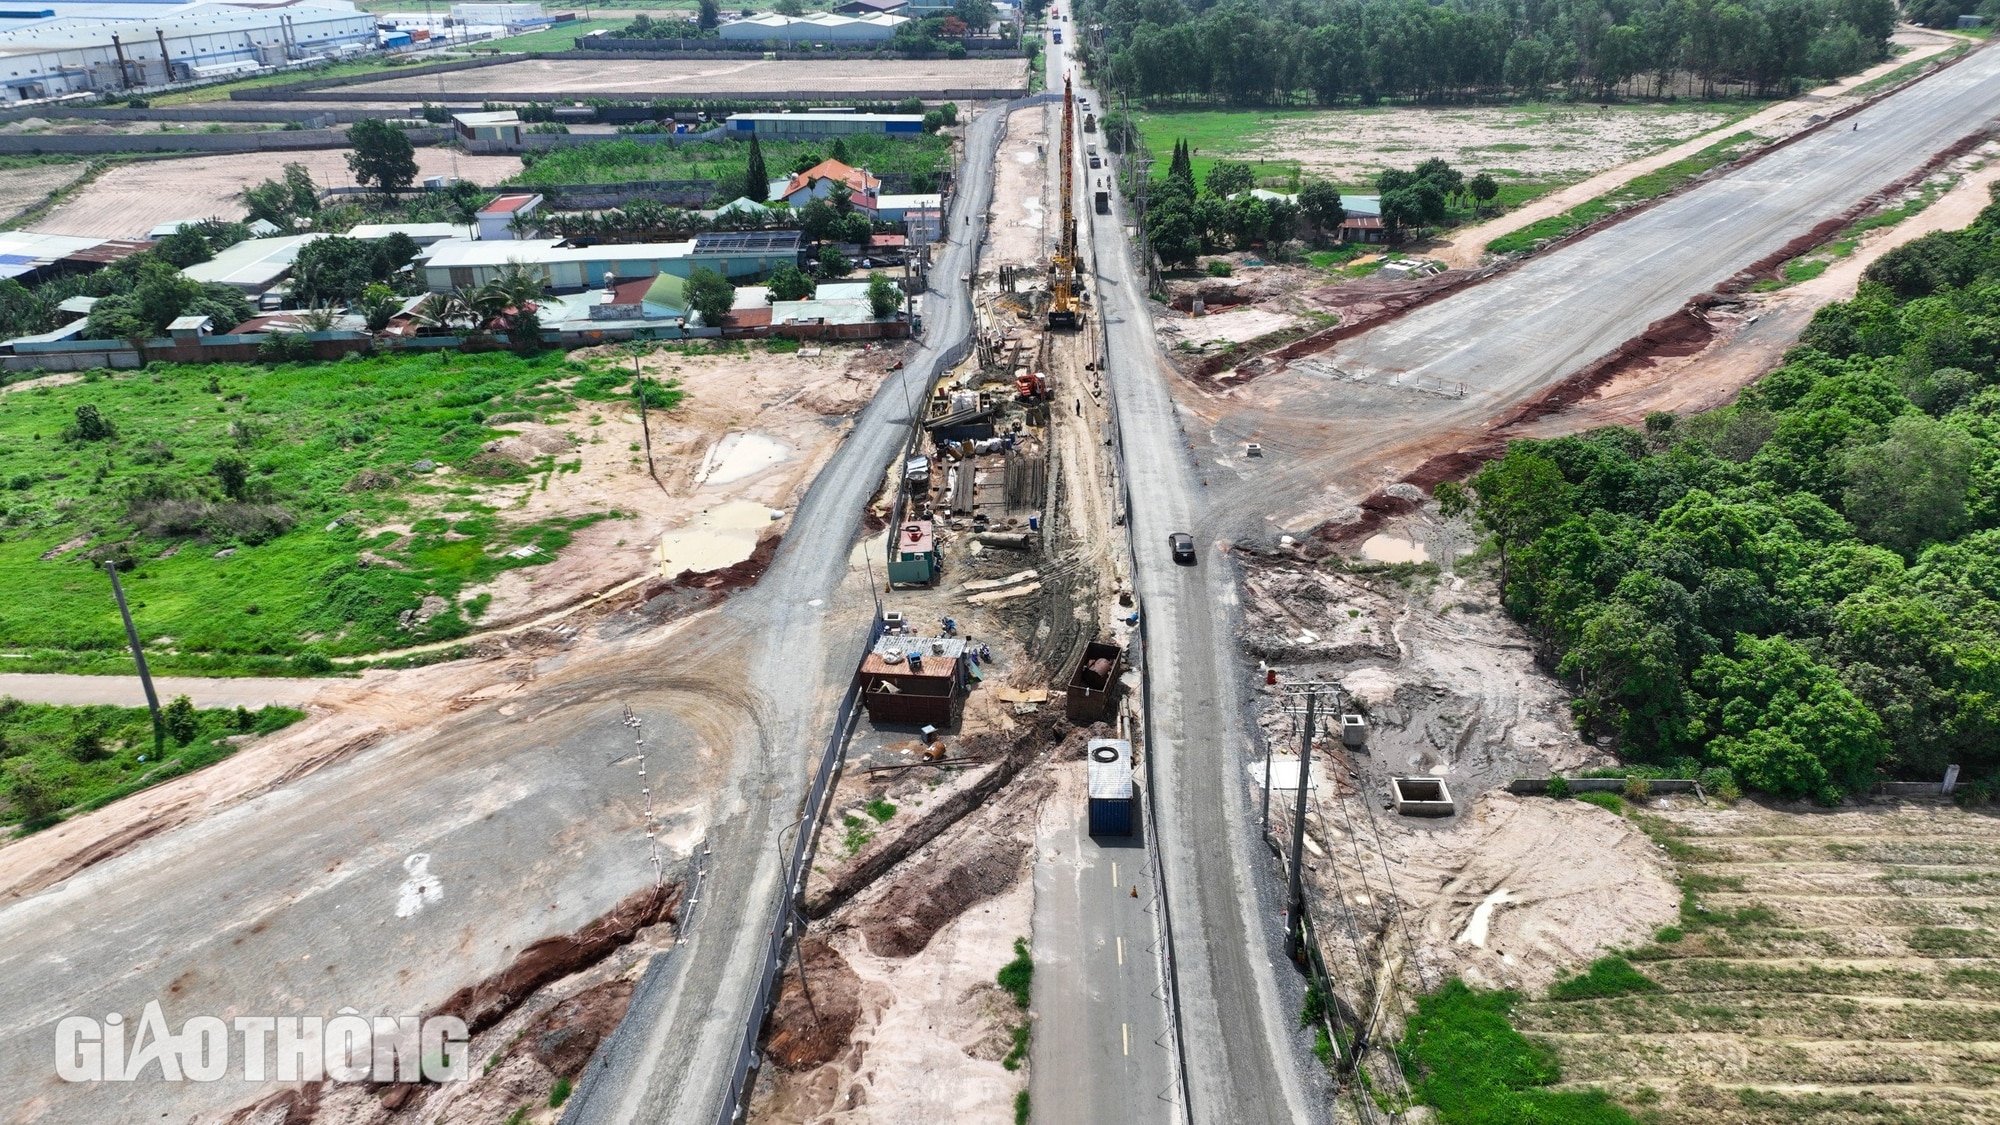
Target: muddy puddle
x=741 y=455
x=1392 y=548
x=720 y=536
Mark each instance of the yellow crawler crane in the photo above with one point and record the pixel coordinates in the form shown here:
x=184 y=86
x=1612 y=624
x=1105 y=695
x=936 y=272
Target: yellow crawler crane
x=1063 y=310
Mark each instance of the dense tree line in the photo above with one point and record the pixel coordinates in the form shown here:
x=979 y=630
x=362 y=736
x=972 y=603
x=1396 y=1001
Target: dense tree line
x=1945 y=13
x=1803 y=587
x=1184 y=222
x=1273 y=52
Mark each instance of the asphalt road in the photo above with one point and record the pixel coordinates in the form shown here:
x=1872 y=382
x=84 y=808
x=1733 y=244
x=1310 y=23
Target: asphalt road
x=521 y=821
x=671 y=1059
x=1238 y=1014
x=1511 y=337
x=1101 y=1051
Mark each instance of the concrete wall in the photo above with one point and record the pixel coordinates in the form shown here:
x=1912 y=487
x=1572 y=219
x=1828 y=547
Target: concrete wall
x=276 y=141
x=1538 y=786
x=82 y=355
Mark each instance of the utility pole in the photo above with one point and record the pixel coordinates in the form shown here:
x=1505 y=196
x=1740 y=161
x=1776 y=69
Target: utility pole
x=639 y=390
x=1295 y=903
x=138 y=655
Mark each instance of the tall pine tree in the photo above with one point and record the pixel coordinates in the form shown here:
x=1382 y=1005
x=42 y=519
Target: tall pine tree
x=756 y=181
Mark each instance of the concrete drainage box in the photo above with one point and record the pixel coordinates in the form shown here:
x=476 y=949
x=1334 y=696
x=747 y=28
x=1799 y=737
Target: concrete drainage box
x=1421 y=796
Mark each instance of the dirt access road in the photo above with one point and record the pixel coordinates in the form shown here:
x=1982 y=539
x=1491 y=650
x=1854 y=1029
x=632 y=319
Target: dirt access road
x=1338 y=424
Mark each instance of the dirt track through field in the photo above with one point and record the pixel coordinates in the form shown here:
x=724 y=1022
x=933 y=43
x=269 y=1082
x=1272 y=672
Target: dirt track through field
x=127 y=201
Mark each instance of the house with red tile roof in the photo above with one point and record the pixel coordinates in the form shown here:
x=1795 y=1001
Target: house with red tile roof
x=817 y=182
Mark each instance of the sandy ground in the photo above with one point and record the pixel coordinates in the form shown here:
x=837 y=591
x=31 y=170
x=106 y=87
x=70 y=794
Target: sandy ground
x=1228 y=325
x=789 y=407
x=125 y=691
x=22 y=188
x=616 y=78
x=127 y=201
x=1020 y=204
x=1507 y=892
x=932 y=1031
x=80 y=127
x=1468 y=245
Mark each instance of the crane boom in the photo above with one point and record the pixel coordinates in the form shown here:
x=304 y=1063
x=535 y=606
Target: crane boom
x=1063 y=310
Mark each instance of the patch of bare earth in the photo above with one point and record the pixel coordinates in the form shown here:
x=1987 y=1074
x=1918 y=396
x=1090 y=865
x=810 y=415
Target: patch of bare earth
x=1839 y=966
x=1504 y=893
x=22 y=188
x=1536 y=142
x=129 y=200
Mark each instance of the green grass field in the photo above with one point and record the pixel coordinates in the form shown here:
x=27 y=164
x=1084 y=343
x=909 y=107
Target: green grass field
x=555 y=38
x=58 y=760
x=726 y=161
x=1221 y=135
x=261 y=574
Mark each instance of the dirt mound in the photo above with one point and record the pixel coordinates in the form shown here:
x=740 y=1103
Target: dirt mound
x=566 y=1035
x=484 y=1004
x=921 y=904
x=805 y=1033
x=532 y=443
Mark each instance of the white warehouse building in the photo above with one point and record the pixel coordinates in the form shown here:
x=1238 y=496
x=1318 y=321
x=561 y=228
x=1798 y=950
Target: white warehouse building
x=819 y=27
x=47 y=50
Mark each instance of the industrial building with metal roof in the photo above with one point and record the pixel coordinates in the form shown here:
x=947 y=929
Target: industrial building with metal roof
x=818 y=27
x=68 y=48
x=455 y=264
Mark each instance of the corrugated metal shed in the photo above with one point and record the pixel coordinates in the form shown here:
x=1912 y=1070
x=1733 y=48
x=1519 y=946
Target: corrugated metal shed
x=252 y=266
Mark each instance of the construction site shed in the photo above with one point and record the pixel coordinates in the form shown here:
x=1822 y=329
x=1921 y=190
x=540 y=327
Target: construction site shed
x=918 y=680
x=1111 y=789
x=915 y=559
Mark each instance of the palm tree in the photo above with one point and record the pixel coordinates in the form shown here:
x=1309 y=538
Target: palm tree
x=447 y=310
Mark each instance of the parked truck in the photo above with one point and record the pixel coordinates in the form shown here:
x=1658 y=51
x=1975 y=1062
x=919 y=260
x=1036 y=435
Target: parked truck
x=1058 y=35
x=1104 y=203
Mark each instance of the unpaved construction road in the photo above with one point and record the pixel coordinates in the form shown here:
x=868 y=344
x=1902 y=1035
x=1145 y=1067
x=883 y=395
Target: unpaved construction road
x=1386 y=400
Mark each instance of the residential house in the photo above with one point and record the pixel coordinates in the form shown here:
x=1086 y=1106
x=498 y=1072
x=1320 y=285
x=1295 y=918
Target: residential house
x=817 y=182
x=496 y=218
